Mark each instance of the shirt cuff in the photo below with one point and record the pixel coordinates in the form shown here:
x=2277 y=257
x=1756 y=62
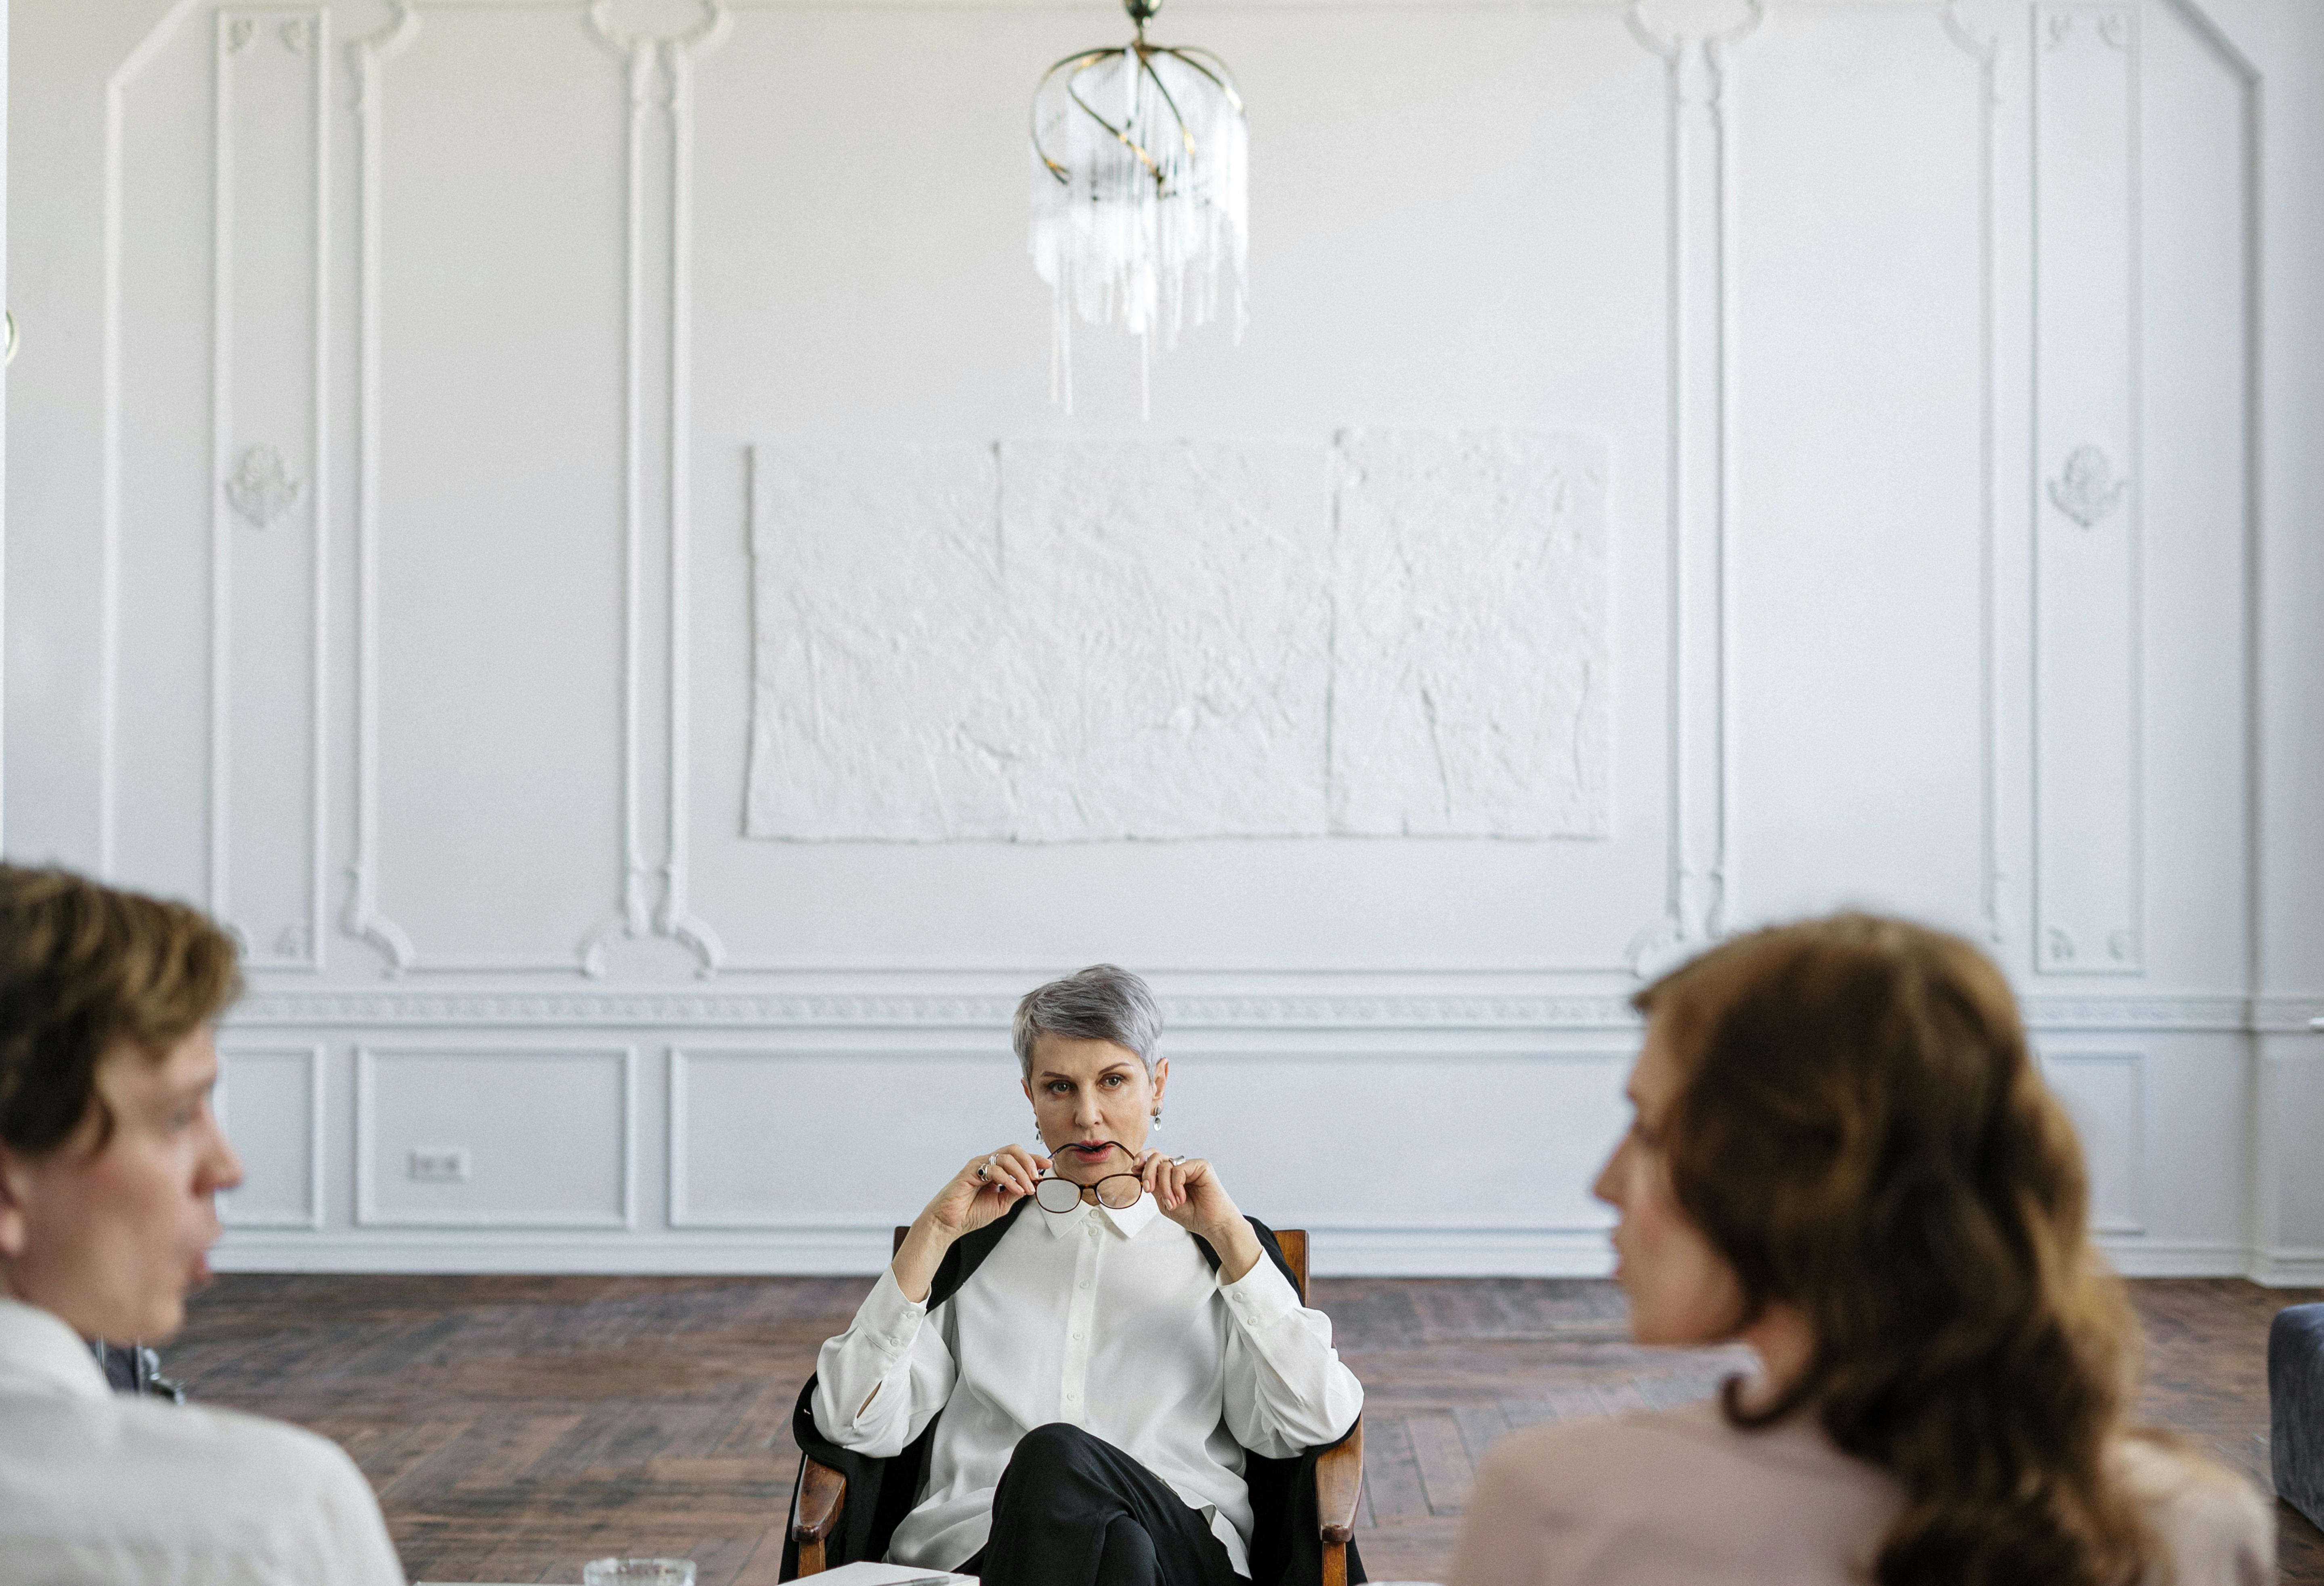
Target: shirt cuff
x=1261 y=1296
x=888 y=1319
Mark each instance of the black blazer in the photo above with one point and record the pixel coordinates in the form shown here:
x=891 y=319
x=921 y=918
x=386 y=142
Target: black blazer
x=1286 y=1545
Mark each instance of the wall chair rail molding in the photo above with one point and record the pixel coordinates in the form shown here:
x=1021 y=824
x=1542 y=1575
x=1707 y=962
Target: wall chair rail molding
x=2219 y=1014
x=400 y=1008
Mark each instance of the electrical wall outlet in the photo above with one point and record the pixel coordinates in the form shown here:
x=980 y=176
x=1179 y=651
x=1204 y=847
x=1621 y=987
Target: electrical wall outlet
x=446 y=1166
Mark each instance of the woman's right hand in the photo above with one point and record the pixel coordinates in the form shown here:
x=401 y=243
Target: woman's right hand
x=984 y=1188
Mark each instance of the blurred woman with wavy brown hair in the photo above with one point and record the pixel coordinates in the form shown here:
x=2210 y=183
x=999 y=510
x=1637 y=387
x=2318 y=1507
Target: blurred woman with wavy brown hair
x=1844 y=1156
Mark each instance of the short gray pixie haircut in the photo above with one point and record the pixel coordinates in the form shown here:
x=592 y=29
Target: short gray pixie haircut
x=1105 y=1002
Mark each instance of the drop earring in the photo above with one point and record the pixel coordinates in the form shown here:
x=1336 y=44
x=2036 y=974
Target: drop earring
x=1155 y=1125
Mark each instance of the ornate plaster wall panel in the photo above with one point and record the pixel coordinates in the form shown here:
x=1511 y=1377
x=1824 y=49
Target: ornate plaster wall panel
x=268 y=526
x=1056 y=642
x=2104 y=1093
x=2196 y=502
x=1470 y=678
x=158 y=478
x=722 y=1175
x=495 y=483
x=270 y=1102
x=2086 y=685
x=213 y=516
x=433 y=1150
x=1563 y=1103
x=1856 y=511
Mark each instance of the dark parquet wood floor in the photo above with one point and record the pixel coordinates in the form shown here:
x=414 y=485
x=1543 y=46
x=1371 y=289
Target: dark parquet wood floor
x=516 y=1426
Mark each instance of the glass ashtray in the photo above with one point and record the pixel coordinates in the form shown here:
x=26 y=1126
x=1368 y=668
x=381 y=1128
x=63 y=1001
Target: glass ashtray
x=638 y=1571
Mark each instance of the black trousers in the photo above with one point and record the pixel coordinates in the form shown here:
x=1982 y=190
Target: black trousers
x=1075 y=1511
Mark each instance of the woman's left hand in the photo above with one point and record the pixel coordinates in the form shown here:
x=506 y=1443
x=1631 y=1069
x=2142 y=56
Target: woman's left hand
x=1188 y=1192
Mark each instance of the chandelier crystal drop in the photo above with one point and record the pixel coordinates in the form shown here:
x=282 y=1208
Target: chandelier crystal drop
x=1141 y=192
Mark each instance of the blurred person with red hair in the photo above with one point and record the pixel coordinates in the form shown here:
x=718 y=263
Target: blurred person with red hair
x=1843 y=1155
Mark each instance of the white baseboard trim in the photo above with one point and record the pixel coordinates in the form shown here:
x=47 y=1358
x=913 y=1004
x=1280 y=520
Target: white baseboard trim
x=2134 y=1256
x=836 y=1252
x=791 y=1253
x=1349 y=1252
x=1464 y=1253
x=2288 y=1266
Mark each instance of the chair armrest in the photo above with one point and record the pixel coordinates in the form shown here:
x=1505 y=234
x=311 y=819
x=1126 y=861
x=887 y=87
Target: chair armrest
x=822 y=1490
x=1339 y=1481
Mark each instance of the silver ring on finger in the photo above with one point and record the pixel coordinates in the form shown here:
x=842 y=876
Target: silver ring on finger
x=986 y=1170
x=1177 y=1162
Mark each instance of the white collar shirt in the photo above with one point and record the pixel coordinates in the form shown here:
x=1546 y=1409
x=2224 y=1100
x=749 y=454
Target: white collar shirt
x=1109 y=1320
x=100 y=1486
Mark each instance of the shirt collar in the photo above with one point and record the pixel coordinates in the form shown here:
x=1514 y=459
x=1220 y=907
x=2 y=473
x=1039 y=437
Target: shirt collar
x=1131 y=1220
x=1128 y=1222
x=40 y=1353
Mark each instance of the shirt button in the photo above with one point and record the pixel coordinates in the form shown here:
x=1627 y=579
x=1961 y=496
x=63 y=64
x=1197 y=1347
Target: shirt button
x=1084 y=1283
x=1077 y=1338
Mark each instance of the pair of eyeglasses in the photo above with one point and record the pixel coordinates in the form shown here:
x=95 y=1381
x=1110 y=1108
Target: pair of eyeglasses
x=1117 y=1191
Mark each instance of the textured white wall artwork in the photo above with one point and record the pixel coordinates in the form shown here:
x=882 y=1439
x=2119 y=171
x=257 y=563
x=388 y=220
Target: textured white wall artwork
x=1469 y=680
x=1168 y=609
x=1062 y=641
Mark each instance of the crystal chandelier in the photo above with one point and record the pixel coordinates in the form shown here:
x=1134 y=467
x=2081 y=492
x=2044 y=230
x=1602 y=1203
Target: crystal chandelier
x=1141 y=189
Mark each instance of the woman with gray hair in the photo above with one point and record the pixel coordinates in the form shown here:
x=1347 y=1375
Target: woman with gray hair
x=1083 y=1389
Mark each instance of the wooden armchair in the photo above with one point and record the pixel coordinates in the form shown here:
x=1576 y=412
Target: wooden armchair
x=822 y=1492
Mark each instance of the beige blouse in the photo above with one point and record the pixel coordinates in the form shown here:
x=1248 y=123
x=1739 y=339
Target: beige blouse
x=1682 y=1496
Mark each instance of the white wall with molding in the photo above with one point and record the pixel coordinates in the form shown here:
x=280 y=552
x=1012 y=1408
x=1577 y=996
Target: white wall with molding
x=388 y=458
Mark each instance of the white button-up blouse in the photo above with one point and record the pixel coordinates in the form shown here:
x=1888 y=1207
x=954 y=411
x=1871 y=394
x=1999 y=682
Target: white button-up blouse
x=1109 y=1320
